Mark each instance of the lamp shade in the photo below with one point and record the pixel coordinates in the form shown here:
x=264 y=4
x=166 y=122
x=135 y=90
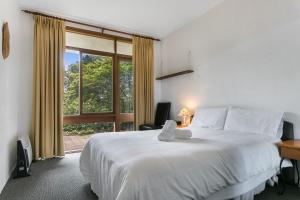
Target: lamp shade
x=184 y=112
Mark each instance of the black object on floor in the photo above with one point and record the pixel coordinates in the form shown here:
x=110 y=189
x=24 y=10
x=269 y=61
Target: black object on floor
x=23 y=164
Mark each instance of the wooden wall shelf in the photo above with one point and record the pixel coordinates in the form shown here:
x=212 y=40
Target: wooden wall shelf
x=175 y=74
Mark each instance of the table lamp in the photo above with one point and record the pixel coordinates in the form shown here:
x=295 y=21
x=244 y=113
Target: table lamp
x=185 y=114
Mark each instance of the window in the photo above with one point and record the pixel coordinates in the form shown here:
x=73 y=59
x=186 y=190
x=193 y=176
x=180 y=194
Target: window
x=98 y=84
x=71 y=82
x=124 y=48
x=126 y=86
x=88 y=128
x=89 y=42
x=76 y=135
x=126 y=126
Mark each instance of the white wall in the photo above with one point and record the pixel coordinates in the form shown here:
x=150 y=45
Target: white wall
x=244 y=53
x=15 y=89
x=157 y=71
x=26 y=73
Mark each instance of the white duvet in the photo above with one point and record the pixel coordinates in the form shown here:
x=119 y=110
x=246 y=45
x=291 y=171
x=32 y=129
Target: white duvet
x=136 y=166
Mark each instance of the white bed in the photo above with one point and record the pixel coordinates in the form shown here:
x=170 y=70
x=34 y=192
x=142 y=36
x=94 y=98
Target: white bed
x=213 y=164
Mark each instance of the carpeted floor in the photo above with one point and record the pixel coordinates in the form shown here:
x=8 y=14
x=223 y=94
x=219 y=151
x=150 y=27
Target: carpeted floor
x=57 y=179
x=60 y=179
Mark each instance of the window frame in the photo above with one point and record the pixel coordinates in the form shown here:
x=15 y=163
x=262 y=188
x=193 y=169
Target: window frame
x=115 y=116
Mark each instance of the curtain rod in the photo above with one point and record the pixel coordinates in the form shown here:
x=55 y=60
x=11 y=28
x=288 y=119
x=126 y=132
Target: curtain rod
x=90 y=25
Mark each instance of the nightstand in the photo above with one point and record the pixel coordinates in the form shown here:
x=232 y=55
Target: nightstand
x=290 y=149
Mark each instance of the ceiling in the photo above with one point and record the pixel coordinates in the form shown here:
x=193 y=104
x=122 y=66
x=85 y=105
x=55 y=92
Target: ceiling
x=156 y=18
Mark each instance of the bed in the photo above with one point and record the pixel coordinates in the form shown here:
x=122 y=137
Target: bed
x=212 y=165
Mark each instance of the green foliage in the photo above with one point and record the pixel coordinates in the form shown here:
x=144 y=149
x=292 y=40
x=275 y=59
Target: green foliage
x=97 y=84
x=87 y=129
x=126 y=86
x=71 y=90
x=126 y=126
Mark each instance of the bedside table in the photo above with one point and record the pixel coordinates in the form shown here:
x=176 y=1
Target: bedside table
x=290 y=149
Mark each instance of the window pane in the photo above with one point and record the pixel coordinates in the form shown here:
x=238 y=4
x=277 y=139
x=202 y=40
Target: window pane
x=88 y=128
x=89 y=42
x=126 y=126
x=124 y=48
x=71 y=82
x=76 y=135
x=126 y=86
x=97 y=83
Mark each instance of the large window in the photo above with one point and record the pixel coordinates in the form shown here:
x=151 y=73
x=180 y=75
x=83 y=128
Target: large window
x=97 y=83
x=98 y=87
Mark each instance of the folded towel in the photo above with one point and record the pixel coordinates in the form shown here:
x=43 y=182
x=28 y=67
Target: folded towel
x=168 y=131
x=183 y=134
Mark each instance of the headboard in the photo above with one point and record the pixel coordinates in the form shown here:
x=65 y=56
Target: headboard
x=288 y=131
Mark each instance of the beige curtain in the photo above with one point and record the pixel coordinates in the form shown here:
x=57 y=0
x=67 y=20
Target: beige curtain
x=48 y=81
x=143 y=81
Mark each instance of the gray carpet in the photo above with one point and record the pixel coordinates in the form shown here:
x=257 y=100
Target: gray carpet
x=60 y=179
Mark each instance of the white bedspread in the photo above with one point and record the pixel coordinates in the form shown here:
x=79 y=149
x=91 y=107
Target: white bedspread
x=136 y=166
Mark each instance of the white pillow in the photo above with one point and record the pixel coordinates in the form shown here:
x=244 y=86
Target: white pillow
x=213 y=118
x=255 y=121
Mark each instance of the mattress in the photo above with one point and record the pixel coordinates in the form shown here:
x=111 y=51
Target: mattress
x=135 y=165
